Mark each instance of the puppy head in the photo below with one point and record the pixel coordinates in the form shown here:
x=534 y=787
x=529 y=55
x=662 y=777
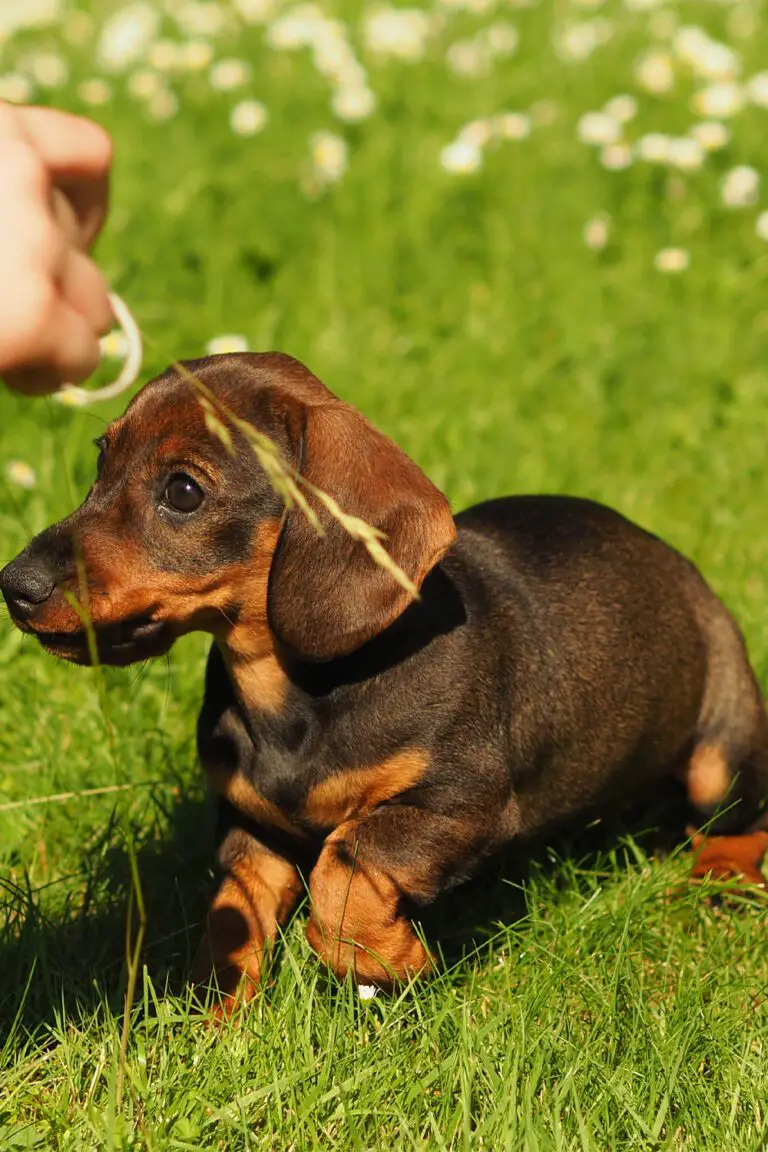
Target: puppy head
x=178 y=533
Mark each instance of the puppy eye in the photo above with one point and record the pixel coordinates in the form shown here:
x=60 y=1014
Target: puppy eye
x=183 y=494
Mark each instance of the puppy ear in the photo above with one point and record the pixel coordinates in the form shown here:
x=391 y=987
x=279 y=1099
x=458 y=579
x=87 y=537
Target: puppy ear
x=326 y=595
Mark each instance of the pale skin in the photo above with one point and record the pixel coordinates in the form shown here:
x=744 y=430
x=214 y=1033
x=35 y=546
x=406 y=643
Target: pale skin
x=54 y=304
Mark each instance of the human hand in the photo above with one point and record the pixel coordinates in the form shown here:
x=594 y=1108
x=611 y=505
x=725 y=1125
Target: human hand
x=54 y=183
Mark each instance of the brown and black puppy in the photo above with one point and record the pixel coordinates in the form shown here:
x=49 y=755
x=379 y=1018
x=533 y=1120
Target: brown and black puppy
x=559 y=660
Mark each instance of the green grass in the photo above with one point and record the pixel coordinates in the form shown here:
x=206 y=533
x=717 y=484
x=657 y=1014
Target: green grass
x=580 y=1006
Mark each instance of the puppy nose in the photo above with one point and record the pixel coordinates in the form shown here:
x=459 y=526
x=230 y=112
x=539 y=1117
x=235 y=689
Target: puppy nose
x=25 y=586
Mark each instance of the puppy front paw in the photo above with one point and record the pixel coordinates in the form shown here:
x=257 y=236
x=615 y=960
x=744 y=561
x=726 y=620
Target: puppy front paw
x=227 y=968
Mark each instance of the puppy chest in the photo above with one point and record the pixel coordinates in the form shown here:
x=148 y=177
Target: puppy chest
x=302 y=795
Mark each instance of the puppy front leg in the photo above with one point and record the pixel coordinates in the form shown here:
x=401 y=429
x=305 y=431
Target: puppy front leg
x=368 y=877
x=257 y=893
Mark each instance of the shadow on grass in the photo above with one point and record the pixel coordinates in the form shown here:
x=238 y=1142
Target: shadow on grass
x=463 y=923
x=73 y=964
x=71 y=960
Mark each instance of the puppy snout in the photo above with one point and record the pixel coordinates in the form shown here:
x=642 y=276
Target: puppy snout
x=26 y=584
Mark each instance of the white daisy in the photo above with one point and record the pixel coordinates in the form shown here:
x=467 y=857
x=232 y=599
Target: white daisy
x=622 y=108
x=352 y=104
x=468 y=57
x=761 y=226
x=15 y=15
x=653 y=147
x=231 y=342
x=201 y=17
x=689 y=42
x=461 y=158
x=710 y=134
x=719 y=100
x=740 y=187
x=333 y=57
x=226 y=75
x=21 y=474
x=48 y=69
x=256 y=11
x=114 y=345
x=596 y=233
x=672 y=260
x=598 y=128
x=512 y=125
x=15 y=88
x=502 y=38
x=329 y=155
x=685 y=153
x=94 y=92
x=757 y=89
x=248 y=118
x=126 y=36
x=195 y=55
x=654 y=73
x=576 y=42
x=297 y=29
x=399 y=32
x=616 y=157
x=165 y=55
x=706 y=57
x=144 y=84
x=477 y=133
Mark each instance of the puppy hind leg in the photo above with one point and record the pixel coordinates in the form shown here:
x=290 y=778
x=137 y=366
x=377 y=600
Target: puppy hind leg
x=731 y=794
x=727 y=773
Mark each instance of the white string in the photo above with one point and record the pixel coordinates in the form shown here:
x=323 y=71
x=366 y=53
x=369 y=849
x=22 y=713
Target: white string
x=77 y=397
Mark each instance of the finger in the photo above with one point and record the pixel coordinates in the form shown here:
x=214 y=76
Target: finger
x=78 y=156
x=12 y=122
x=83 y=288
x=89 y=200
x=32 y=381
x=71 y=147
x=65 y=216
x=69 y=346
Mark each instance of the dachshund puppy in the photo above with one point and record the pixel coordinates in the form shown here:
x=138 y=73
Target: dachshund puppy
x=559 y=661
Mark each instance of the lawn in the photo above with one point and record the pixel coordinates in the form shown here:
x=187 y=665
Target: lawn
x=539 y=302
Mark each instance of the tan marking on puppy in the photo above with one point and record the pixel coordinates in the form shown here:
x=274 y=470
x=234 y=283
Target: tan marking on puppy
x=243 y=795
x=708 y=777
x=731 y=857
x=254 y=898
x=247 y=644
x=119 y=584
x=360 y=790
x=230 y=603
x=261 y=684
x=356 y=923
x=122 y=584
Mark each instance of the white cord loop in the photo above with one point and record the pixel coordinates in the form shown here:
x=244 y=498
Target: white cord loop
x=77 y=397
